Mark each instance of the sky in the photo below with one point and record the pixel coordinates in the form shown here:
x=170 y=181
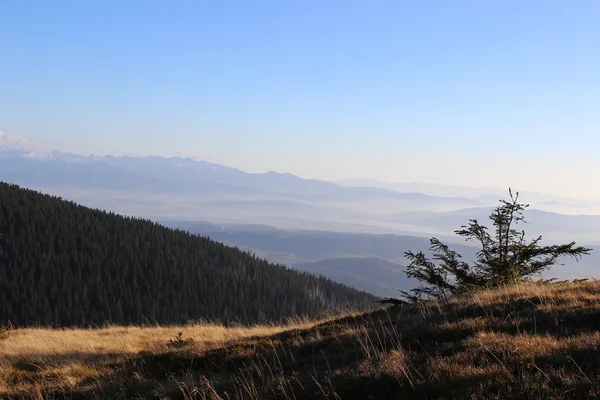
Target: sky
x=474 y=93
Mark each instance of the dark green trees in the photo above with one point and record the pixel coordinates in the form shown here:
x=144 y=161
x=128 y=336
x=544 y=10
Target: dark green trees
x=505 y=256
x=62 y=264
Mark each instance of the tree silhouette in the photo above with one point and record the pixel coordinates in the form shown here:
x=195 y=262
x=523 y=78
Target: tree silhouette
x=505 y=256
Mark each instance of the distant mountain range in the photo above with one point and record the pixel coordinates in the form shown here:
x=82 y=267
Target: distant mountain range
x=189 y=189
x=184 y=174
x=183 y=188
x=548 y=201
x=435 y=189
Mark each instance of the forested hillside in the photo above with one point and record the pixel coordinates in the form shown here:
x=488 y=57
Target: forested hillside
x=63 y=264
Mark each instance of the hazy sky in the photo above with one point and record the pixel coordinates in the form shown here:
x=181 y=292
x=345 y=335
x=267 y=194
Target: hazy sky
x=479 y=93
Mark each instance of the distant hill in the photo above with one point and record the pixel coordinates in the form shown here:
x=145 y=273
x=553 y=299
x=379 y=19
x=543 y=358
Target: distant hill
x=547 y=202
x=373 y=275
x=553 y=226
x=434 y=189
x=63 y=264
x=307 y=246
x=293 y=247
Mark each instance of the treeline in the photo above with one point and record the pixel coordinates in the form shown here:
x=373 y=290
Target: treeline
x=63 y=264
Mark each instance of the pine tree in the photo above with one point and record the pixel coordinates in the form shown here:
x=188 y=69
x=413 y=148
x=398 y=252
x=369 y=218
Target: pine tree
x=505 y=256
x=63 y=264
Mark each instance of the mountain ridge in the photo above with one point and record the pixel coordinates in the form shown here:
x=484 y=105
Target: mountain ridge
x=186 y=188
x=175 y=162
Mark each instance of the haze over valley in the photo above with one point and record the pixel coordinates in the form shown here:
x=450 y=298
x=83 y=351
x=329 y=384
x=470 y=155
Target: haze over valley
x=349 y=231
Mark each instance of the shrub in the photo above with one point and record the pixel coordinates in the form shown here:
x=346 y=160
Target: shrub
x=5 y=331
x=179 y=342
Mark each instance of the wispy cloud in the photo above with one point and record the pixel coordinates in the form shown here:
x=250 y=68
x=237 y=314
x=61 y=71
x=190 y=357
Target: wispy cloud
x=13 y=141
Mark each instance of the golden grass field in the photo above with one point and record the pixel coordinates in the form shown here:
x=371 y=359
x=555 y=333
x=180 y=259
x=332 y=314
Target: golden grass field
x=529 y=341
x=38 y=360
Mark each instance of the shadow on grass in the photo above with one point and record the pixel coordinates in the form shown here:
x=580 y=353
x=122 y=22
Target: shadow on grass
x=321 y=361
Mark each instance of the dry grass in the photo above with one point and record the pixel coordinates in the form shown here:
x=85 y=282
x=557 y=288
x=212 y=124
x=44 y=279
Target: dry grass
x=63 y=359
x=43 y=344
x=529 y=341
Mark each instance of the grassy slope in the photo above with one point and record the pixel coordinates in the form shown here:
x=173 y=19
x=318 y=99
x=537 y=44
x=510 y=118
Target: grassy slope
x=530 y=341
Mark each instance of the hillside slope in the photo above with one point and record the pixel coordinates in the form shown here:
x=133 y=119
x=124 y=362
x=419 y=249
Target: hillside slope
x=305 y=246
x=63 y=264
x=524 y=342
x=373 y=275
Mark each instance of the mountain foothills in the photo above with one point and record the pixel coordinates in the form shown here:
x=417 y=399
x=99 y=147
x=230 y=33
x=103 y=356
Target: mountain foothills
x=371 y=262
x=64 y=264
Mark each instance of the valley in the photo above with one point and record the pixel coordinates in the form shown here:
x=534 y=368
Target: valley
x=295 y=221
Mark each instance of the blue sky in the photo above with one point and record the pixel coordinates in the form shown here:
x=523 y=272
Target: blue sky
x=479 y=93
